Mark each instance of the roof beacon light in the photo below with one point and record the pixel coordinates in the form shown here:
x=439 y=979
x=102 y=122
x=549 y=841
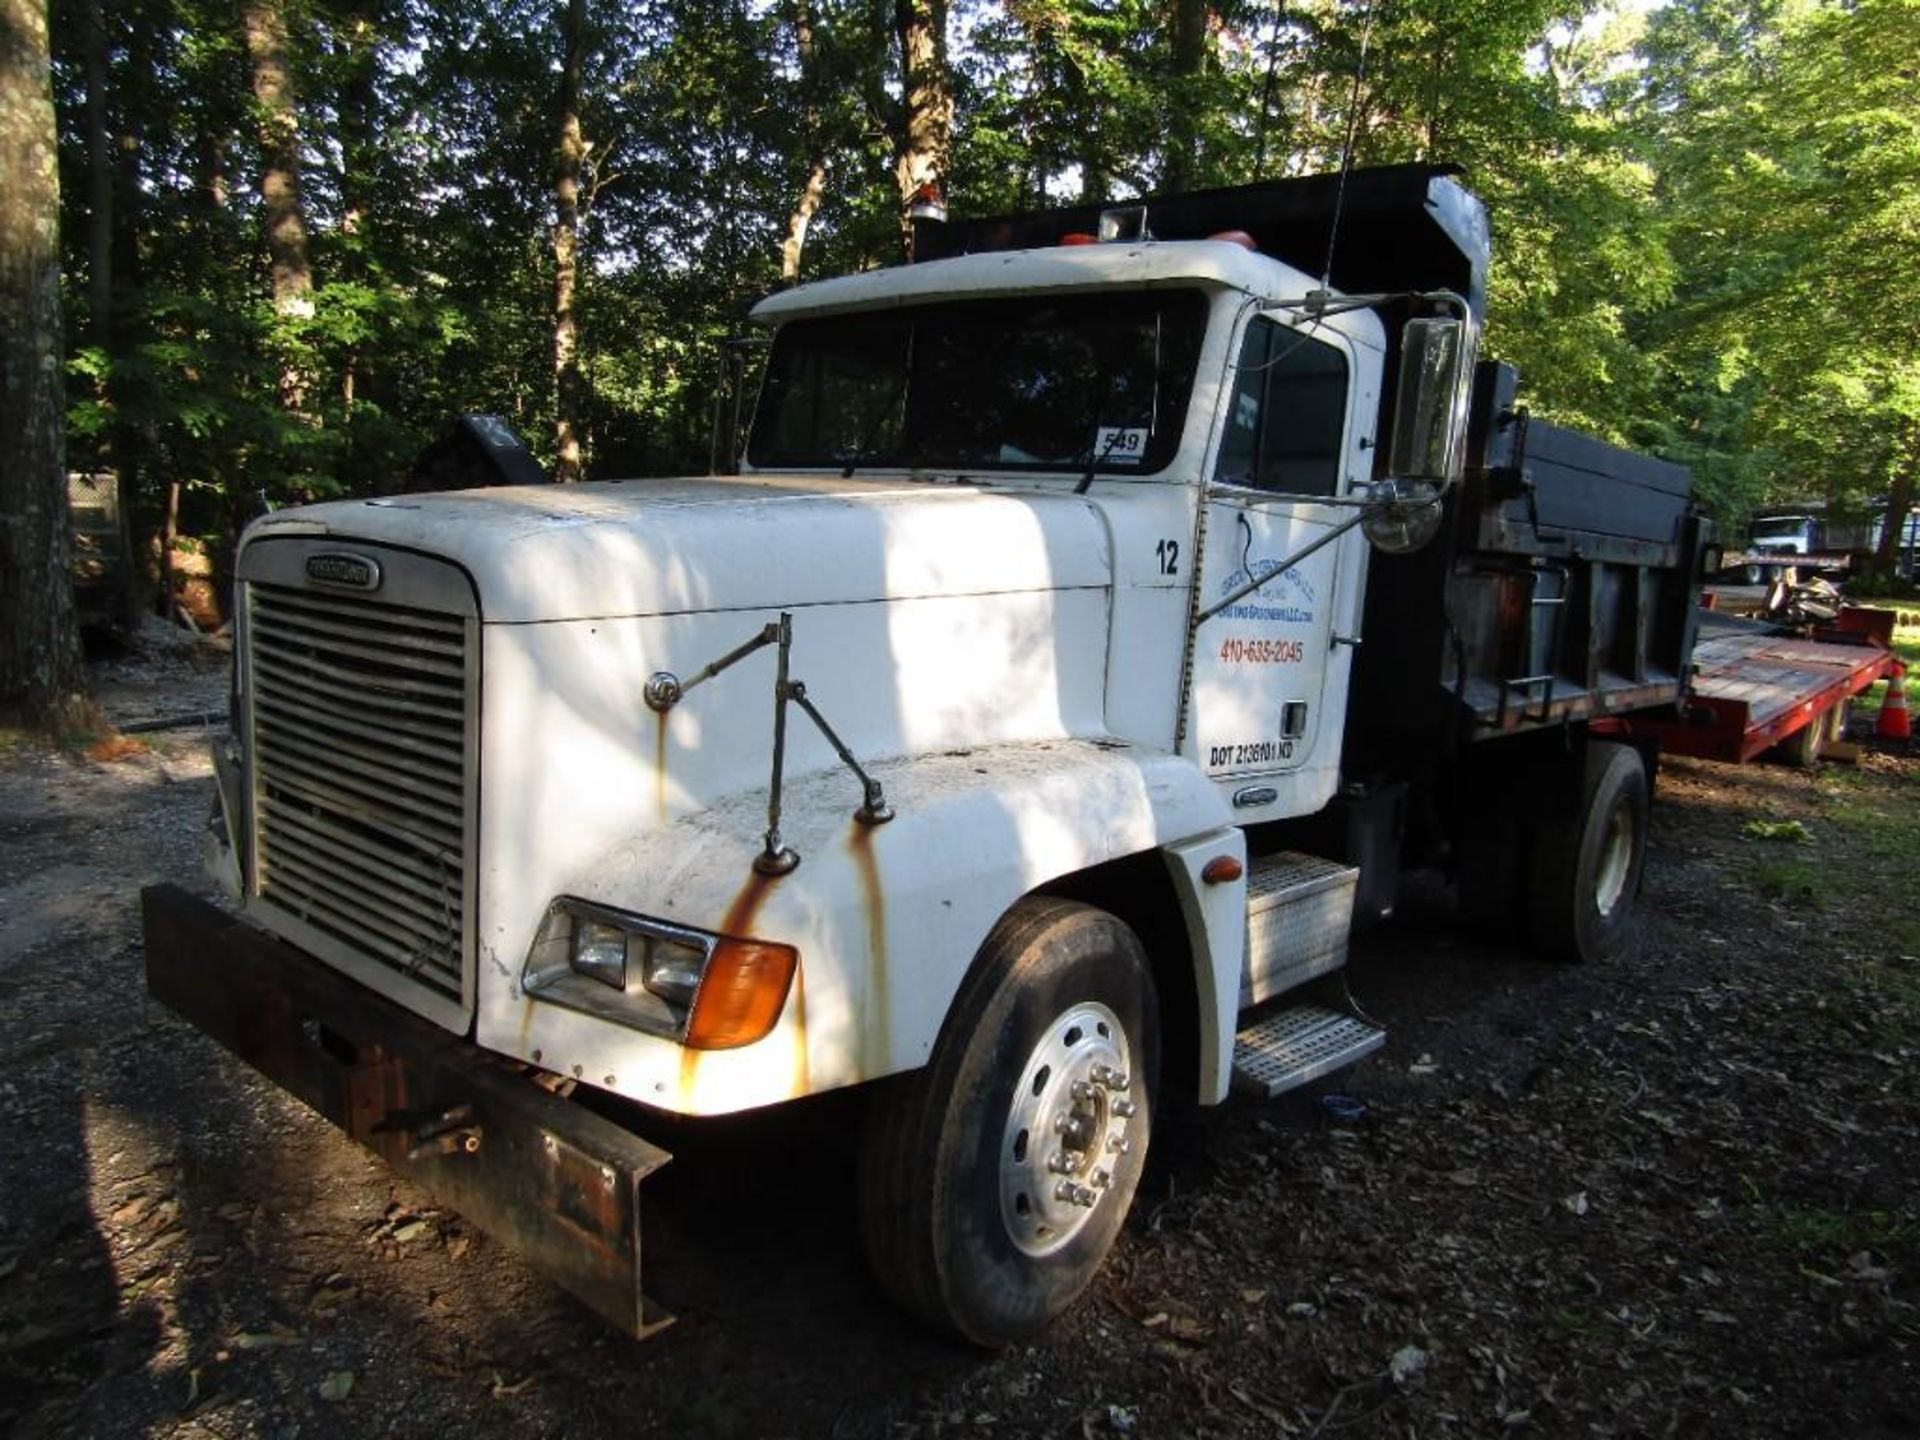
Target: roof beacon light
x=928 y=204
x=1124 y=222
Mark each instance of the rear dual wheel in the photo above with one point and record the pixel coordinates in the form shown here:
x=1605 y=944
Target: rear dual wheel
x=994 y=1181
x=1805 y=746
x=1584 y=870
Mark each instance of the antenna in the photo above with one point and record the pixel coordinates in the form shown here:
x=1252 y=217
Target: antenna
x=1346 y=154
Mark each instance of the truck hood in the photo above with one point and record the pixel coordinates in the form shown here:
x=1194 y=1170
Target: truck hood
x=755 y=542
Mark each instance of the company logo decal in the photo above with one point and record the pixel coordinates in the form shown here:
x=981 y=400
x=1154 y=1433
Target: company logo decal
x=1288 y=599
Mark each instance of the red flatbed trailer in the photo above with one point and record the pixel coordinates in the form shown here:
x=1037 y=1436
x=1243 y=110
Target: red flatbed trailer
x=1753 y=688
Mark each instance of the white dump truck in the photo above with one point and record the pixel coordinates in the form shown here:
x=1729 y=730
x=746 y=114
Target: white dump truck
x=1107 y=608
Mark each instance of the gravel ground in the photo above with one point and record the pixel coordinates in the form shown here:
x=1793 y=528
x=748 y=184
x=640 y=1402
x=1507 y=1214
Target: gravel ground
x=1674 y=1195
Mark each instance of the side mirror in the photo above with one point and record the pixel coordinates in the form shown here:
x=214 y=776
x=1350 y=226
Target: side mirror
x=1430 y=410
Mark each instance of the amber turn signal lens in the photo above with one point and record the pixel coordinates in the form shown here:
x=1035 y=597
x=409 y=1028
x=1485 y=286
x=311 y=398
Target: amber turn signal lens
x=741 y=995
x=1222 y=870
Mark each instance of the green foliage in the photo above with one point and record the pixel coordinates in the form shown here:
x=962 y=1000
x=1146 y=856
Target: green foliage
x=1790 y=831
x=1792 y=882
x=1705 y=219
x=1788 y=141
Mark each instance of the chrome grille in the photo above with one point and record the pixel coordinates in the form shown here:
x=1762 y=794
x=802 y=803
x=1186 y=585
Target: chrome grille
x=361 y=775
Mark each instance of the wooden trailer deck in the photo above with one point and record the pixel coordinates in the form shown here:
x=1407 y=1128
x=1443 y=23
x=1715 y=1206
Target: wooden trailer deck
x=1753 y=689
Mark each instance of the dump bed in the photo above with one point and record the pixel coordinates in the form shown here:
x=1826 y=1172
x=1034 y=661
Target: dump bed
x=1561 y=590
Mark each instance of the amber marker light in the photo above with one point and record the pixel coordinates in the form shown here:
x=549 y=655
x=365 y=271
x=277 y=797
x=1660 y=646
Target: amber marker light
x=742 y=994
x=1222 y=870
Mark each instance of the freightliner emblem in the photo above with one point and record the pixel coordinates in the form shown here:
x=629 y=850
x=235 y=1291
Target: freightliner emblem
x=356 y=572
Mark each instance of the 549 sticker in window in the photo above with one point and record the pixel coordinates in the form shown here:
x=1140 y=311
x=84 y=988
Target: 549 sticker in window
x=1119 y=444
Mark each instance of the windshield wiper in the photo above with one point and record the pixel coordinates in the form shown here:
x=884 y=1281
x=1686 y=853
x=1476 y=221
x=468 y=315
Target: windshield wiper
x=851 y=458
x=1096 y=460
x=1096 y=452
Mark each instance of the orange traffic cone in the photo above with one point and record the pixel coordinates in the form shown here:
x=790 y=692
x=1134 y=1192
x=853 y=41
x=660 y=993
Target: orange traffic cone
x=1894 y=723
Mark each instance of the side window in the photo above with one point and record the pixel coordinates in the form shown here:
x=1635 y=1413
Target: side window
x=1286 y=413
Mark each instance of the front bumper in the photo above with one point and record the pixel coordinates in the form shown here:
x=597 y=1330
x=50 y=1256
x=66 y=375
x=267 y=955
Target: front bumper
x=554 y=1180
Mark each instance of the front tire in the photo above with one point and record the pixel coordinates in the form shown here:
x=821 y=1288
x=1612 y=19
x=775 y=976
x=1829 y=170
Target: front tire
x=994 y=1182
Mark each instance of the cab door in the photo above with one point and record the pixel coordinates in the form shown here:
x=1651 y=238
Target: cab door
x=1268 y=675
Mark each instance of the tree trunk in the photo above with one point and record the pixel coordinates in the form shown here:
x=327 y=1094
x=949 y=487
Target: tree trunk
x=40 y=669
x=926 y=119
x=286 y=221
x=1265 y=122
x=815 y=187
x=169 y=538
x=798 y=223
x=132 y=434
x=1083 y=107
x=1886 y=555
x=359 y=126
x=1189 y=47
x=287 y=248
x=100 y=297
x=359 y=123
x=99 y=179
x=570 y=155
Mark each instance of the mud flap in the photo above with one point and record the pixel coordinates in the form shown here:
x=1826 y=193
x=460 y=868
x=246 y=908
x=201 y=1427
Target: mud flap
x=555 y=1181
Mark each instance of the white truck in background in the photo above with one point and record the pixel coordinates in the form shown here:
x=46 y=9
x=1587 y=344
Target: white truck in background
x=1109 y=605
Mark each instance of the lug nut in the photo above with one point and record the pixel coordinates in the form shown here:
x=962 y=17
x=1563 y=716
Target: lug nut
x=1084 y=1198
x=1119 y=1144
x=1124 y=1109
x=1066 y=1162
x=1082 y=1090
x=1101 y=1179
x=1118 y=1079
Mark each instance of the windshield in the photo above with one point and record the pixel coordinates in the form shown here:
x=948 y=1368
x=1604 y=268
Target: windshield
x=1050 y=382
x=1786 y=528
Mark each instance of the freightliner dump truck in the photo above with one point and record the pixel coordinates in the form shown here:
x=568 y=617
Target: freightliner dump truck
x=1110 y=605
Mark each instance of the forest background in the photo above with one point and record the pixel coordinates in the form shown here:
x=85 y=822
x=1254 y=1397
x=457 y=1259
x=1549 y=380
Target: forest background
x=296 y=237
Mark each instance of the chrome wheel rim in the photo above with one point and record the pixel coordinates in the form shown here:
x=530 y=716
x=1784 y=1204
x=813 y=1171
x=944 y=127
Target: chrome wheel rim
x=1616 y=861
x=1067 y=1128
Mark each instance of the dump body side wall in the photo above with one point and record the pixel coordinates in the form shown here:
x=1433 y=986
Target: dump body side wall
x=1560 y=591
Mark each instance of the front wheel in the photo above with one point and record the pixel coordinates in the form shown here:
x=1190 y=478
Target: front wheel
x=994 y=1181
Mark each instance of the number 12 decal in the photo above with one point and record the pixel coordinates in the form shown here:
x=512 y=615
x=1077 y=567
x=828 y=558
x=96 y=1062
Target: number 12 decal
x=1168 y=552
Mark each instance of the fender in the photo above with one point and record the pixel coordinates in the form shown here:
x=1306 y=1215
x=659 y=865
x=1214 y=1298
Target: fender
x=887 y=918
x=1215 y=915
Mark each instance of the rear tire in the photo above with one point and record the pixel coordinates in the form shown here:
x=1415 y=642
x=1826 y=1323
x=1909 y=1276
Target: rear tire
x=1585 y=867
x=1837 y=722
x=1803 y=749
x=976 y=1172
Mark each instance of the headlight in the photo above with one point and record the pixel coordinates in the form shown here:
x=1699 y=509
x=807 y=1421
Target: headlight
x=600 y=951
x=710 y=992
x=673 y=971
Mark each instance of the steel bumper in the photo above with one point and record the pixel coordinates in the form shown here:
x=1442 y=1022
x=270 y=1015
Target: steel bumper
x=556 y=1181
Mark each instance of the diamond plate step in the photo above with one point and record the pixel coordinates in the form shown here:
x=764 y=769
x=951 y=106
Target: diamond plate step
x=1299 y=914
x=1299 y=1044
